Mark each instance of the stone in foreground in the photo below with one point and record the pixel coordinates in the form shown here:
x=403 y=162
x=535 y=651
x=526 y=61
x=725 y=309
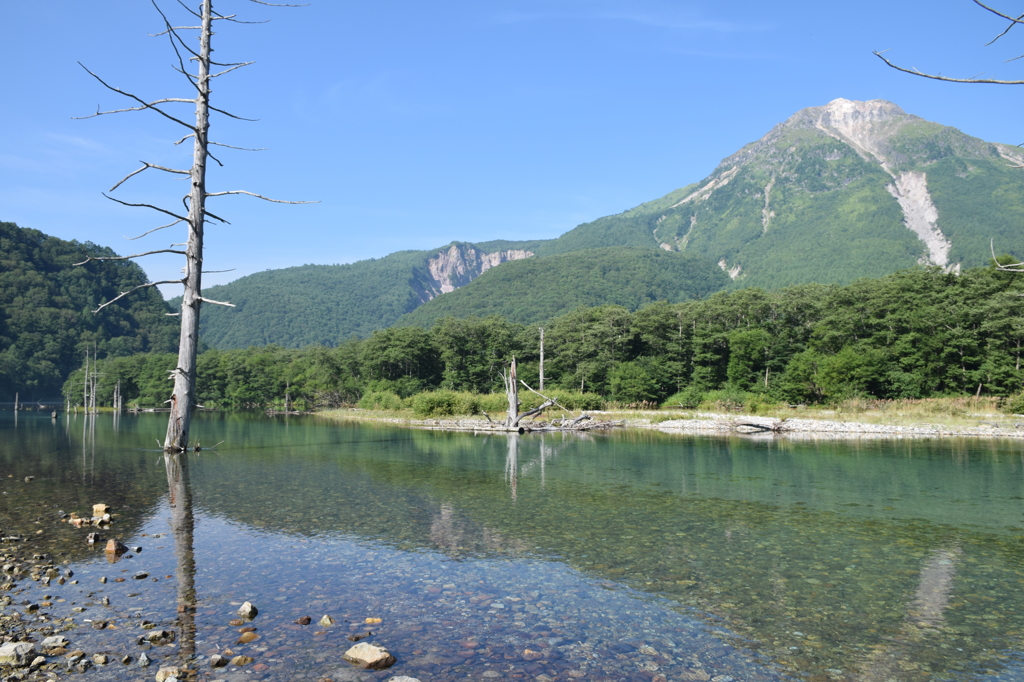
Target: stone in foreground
x=167 y=673
x=369 y=656
x=16 y=653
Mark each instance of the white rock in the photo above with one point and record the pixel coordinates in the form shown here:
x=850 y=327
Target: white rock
x=247 y=611
x=369 y=656
x=16 y=653
x=165 y=674
x=54 y=642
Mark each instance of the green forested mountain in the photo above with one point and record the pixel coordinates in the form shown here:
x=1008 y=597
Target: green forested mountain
x=917 y=333
x=847 y=190
x=538 y=289
x=325 y=304
x=835 y=193
x=46 y=318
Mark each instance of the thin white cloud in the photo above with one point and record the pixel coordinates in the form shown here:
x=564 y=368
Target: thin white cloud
x=655 y=15
x=77 y=141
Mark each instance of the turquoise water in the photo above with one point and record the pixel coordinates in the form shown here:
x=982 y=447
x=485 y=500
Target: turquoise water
x=627 y=555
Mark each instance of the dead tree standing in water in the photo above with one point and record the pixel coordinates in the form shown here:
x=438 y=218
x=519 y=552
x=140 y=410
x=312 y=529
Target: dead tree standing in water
x=183 y=396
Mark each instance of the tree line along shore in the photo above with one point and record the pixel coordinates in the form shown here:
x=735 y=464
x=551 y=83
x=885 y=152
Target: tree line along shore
x=917 y=334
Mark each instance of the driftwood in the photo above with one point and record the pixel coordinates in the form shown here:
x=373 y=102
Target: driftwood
x=514 y=418
x=773 y=427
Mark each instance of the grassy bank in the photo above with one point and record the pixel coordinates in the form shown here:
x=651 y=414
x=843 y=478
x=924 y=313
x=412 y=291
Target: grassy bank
x=951 y=414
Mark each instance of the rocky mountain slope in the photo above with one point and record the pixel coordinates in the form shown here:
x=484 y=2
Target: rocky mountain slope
x=325 y=304
x=846 y=190
x=834 y=193
x=539 y=289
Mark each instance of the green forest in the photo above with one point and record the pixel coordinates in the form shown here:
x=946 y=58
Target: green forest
x=46 y=318
x=537 y=289
x=918 y=333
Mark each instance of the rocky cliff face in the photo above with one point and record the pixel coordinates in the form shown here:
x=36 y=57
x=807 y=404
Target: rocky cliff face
x=457 y=266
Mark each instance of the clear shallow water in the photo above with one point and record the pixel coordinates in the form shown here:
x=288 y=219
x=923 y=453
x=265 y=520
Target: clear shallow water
x=610 y=556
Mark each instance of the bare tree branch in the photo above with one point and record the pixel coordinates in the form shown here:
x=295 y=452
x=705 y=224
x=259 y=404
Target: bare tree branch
x=208 y=272
x=136 y=255
x=188 y=9
x=145 y=105
x=207 y=300
x=1009 y=267
x=174 y=28
x=915 y=72
x=232 y=18
x=154 y=230
x=155 y=208
x=173 y=33
x=228 y=113
x=134 y=289
x=271 y=4
x=1018 y=20
x=244 y=149
x=236 y=66
x=146 y=165
x=184 y=138
x=216 y=217
x=258 y=196
x=551 y=400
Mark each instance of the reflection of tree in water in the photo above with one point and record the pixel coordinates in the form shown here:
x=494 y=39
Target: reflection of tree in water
x=546 y=452
x=896 y=660
x=457 y=535
x=182 y=528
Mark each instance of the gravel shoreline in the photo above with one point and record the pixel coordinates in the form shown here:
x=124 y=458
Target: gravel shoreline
x=748 y=425
x=820 y=428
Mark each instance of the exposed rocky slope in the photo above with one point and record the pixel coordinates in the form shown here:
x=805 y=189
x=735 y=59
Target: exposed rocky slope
x=834 y=193
x=460 y=264
x=845 y=190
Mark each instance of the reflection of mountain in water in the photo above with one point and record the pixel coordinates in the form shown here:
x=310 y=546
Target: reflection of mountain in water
x=642 y=510
x=763 y=536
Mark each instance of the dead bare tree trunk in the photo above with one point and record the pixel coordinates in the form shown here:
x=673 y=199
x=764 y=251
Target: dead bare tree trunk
x=512 y=391
x=183 y=395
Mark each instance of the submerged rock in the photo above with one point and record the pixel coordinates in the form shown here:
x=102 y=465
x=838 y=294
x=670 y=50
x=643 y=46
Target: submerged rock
x=248 y=611
x=167 y=673
x=369 y=656
x=326 y=621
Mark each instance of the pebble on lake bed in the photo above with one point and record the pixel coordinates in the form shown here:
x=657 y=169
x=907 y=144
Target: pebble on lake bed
x=167 y=673
x=326 y=621
x=369 y=656
x=248 y=611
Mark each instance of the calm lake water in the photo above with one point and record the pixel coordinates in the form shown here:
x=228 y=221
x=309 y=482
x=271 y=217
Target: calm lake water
x=619 y=556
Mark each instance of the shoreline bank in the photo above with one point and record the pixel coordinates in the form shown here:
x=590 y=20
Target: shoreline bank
x=708 y=423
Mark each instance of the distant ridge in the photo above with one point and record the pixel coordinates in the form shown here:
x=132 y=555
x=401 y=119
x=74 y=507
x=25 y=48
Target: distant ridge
x=834 y=193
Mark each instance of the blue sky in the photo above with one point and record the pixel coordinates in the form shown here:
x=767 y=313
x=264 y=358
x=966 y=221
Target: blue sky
x=418 y=123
